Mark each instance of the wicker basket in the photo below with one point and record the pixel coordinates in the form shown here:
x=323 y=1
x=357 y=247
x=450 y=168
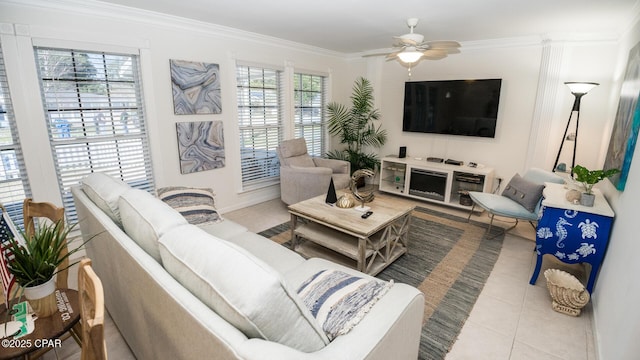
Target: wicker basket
x=568 y=294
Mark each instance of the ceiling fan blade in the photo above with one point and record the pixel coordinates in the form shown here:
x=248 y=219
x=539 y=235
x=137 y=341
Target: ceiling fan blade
x=433 y=54
x=394 y=54
x=443 y=44
x=406 y=41
x=376 y=54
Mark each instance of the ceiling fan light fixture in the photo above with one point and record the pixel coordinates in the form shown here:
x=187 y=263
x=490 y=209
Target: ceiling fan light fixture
x=410 y=56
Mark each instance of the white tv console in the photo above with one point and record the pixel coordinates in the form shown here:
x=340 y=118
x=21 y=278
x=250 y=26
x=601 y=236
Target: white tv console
x=433 y=181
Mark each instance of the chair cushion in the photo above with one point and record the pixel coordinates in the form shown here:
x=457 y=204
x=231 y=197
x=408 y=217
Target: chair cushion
x=240 y=287
x=502 y=206
x=301 y=161
x=145 y=219
x=105 y=191
x=197 y=205
x=524 y=192
x=293 y=147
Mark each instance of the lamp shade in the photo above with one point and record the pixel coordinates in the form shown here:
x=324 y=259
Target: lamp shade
x=580 y=87
x=410 y=56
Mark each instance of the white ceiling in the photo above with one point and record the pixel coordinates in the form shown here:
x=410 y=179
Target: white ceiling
x=353 y=26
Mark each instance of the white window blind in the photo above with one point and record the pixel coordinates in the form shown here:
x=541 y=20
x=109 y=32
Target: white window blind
x=94 y=112
x=309 y=118
x=260 y=123
x=14 y=185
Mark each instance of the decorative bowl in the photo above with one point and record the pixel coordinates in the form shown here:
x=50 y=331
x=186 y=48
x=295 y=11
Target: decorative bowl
x=346 y=201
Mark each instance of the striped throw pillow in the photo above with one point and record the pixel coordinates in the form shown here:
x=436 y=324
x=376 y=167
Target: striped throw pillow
x=197 y=205
x=339 y=300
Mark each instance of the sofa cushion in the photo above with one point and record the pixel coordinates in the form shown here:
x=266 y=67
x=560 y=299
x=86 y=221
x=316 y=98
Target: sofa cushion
x=105 y=191
x=524 y=192
x=339 y=300
x=145 y=218
x=197 y=205
x=223 y=229
x=275 y=255
x=240 y=287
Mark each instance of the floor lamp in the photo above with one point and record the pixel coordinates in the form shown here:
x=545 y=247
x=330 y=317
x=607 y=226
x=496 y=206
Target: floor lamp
x=578 y=89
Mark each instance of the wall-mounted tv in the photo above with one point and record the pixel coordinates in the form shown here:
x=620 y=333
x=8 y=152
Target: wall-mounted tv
x=454 y=107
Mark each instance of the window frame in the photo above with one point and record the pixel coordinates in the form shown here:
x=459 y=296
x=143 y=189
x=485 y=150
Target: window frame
x=106 y=131
x=12 y=192
x=260 y=116
x=318 y=118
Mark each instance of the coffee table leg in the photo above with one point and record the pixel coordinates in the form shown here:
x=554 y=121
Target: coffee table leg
x=362 y=250
x=294 y=239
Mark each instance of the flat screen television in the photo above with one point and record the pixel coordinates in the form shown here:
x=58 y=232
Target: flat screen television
x=454 y=107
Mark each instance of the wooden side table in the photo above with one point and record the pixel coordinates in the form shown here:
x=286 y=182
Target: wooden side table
x=572 y=233
x=47 y=330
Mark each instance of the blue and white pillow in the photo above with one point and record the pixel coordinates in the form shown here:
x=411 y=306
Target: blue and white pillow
x=197 y=205
x=339 y=300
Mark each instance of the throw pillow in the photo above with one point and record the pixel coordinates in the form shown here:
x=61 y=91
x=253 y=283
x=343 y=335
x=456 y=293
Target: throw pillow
x=339 y=301
x=195 y=204
x=524 y=192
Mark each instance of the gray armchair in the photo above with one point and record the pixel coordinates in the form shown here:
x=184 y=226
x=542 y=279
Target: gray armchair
x=303 y=177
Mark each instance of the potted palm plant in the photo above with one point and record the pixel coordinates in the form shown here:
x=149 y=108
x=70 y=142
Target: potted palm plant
x=355 y=127
x=35 y=262
x=588 y=178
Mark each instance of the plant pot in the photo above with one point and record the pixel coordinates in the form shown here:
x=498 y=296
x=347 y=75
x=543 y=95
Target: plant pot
x=42 y=298
x=587 y=199
x=567 y=292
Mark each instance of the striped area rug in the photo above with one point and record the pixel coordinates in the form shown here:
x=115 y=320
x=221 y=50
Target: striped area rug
x=449 y=260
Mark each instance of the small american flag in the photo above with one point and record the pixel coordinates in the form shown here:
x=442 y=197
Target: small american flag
x=7 y=231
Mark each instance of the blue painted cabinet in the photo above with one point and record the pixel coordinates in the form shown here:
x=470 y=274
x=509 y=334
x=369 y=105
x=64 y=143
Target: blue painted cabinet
x=572 y=233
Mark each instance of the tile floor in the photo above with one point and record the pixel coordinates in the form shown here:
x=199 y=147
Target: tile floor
x=510 y=320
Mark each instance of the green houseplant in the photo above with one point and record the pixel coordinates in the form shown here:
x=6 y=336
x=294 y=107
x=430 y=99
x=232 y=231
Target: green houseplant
x=588 y=178
x=355 y=127
x=37 y=260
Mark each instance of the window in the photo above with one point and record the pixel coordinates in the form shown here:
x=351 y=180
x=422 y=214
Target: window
x=14 y=186
x=94 y=113
x=260 y=124
x=309 y=119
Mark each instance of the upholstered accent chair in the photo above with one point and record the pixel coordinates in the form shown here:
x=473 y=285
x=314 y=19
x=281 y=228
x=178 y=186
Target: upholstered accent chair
x=303 y=177
x=520 y=200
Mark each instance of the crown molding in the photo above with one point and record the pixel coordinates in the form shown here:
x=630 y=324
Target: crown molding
x=524 y=41
x=119 y=13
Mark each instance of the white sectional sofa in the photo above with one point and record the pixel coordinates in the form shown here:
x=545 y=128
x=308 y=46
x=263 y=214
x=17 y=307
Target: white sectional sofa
x=181 y=291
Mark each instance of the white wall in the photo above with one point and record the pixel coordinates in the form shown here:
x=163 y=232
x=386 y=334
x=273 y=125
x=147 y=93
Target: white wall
x=88 y=25
x=616 y=312
x=533 y=112
x=519 y=66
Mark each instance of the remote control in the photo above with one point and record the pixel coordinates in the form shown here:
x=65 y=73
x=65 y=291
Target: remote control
x=367 y=214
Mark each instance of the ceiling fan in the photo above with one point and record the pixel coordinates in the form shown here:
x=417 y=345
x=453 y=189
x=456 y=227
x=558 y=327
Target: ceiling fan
x=411 y=47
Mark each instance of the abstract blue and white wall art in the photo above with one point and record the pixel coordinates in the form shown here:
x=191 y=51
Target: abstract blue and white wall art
x=196 y=87
x=625 y=129
x=201 y=146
